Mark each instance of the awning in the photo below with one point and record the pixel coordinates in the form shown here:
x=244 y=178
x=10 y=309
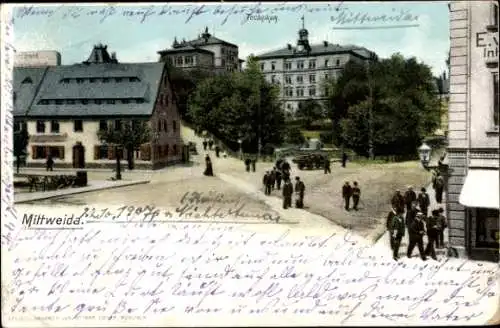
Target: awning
x=481 y=189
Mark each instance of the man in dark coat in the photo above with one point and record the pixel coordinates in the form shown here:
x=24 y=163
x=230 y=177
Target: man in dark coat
x=278 y=179
x=397 y=232
x=248 y=161
x=344 y=159
x=411 y=214
x=285 y=166
x=217 y=150
x=205 y=143
x=417 y=232
x=346 y=194
x=356 y=194
x=433 y=227
x=443 y=225
x=326 y=165
x=210 y=144
x=300 y=189
x=398 y=202
x=208 y=167
x=439 y=187
x=50 y=163
x=272 y=177
x=410 y=197
x=287 y=194
x=423 y=201
x=254 y=161
x=388 y=225
x=266 y=182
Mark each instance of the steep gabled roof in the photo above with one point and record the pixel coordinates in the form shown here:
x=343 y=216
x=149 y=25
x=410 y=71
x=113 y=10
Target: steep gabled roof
x=24 y=90
x=316 y=49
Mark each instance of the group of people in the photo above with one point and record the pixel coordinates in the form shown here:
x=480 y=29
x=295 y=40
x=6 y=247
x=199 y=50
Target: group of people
x=210 y=144
x=349 y=191
x=281 y=173
x=410 y=212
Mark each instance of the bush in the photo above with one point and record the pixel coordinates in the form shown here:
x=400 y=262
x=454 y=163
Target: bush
x=326 y=137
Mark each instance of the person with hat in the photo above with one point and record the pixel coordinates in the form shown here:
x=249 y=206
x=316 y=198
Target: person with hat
x=416 y=234
x=287 y=194
x=300 y=188
x=397 y=231
x=398 y=202
x=443 y=225
x=266 y=181
x=423 y=201
x=346 y=194
x=410 y=197
x=433 y=227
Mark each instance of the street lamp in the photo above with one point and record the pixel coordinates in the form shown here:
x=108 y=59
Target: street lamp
x=241 y=151
x=424 y=152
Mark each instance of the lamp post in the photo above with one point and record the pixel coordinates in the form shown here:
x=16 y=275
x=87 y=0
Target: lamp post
x=424 y=152
x=240 y=149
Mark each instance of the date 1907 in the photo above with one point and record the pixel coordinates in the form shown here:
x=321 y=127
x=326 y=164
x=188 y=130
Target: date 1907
x=125 y=213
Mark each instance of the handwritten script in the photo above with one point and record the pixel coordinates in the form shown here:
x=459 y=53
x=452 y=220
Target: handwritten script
x=234 y=273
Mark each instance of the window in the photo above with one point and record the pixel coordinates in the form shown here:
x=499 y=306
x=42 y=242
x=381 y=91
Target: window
x=78 y=126
x=327 y=76
x=159 y=126
x=288 y=92
x=175 y=149
x=79 y=81
x=105 y=80
x=288 y=66
x=288 y=79
x=174 y=125
x=125 y=101
x=103 y=152
x=188 y=60
x=487 y=228
x=140 y=100
x=98 y=101
x=65 y=81
x=223 y=51
x=17 y=126
x=262 y=66
x=40 y=126
x=70 y=101
x=118 y=79
x=326 y=62
x=300 y=79
x=56 y=152
x=178 y=60
x=337 y=62
x=92 y=80
x=273 y=78
x=27 y=80
x=312 y=64
x=300 y=64
x=59 y=102
x=54 y=126
x=118 y=124
x=312 y=91
x=312 y=78
x=223 y=62
x=496 y=112
x=103 y=125
x=165 y=126
x=273 y=66
x=39 y=152
x=134 y=79
x=110 y=101
x=300 y=92
x=44 y=102
x=85 y=101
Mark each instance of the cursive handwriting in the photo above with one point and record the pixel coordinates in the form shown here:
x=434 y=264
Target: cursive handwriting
x=186 y=269
x=346 y=16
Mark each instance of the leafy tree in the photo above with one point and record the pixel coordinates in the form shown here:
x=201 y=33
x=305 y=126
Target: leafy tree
x=241 y=105
x=130 y=136
x=309 y=111
x=294 y=136
x=21 y=140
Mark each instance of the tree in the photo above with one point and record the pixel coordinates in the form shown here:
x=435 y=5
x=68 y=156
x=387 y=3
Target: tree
x=241 y=105
x=21 y=140
x=294 y=136
x=130 y=136
x=309 y=111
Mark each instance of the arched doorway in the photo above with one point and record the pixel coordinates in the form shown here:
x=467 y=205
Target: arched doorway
x=78 y=156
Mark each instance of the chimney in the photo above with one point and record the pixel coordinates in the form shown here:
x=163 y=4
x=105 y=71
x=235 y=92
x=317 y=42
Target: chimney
x=289 y=46
x=325 y=43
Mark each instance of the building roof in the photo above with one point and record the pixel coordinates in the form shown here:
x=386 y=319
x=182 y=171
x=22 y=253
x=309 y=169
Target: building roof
x=324 y=48
x=27 y=81
x=187 y=48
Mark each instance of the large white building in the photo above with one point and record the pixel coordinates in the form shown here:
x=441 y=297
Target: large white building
x=473 y=151
x=37 y=58
x=302 y=69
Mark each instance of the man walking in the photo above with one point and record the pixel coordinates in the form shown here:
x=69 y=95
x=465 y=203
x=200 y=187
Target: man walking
x=344 y=159
x=326 y=165
x=217 y=150
x=300 y=189
x=278 y=179
x=388 y=225
x=423 y=201
x=439 y=187
x=248 y=161
x=205 y=143
x=346 y=194
x=398 y=202
x=410 y=197
x=272 y=178
x=287 y=194
x=417 y=231
x=443 y=224
x=411 y=215
x=433 y=227
x=266 y=183
x=253 y=164
x=210 y=144
x=397 y=232
x=356 y=194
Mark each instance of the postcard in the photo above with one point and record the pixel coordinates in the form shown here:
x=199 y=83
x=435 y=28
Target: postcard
x=250 y=164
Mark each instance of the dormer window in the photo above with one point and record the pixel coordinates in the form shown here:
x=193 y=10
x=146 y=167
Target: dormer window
x=65 y=81
x=27 y=80
x=59 y=102
x=105 y=80
x=140 y=100
x=44 y=102
x=92 y=80
x=110 y=101
x=70 y=101
x=118 y=79
x=125 y=101
x=85 y=101
x=134 y=79
x=79 y=81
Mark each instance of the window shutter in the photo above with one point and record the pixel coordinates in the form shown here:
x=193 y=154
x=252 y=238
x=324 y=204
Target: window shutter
x=97 y=152
x=33 y=152
x=61 y=152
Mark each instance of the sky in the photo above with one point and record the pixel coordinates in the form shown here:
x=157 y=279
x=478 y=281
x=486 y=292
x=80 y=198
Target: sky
x=136 y=33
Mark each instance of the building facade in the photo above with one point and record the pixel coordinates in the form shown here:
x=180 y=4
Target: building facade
x=37 y=59
x=473 y=137
x=206 y=52
x=301 y=70
x=64 y=107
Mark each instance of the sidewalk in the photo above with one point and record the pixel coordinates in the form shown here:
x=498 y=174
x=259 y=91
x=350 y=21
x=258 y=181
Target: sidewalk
x=384 y=242
x=93 y=186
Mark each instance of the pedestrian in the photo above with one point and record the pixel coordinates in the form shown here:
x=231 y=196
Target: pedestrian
x=411 y=214
x=266 y=182
x=439 y=187
x=210 y=144
x=443 y=225
x=356 y=194
x=410 y=197
x=50 y=163
x=247 y=164
x=300 y=189
x=388 y=225
x=285 y=167
x=397 y=232
x=217 y=150
x=208 y=167
x=205 y=143
x=417 y=232
x=398 y=202
x=433 y=228
x=346 y=194
x=423 y=201
x=287 y=194
x=272 y=178
x=344 y=159
x=326 y=165
x=278 y=163
x=254 y=161
x=278 y=179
